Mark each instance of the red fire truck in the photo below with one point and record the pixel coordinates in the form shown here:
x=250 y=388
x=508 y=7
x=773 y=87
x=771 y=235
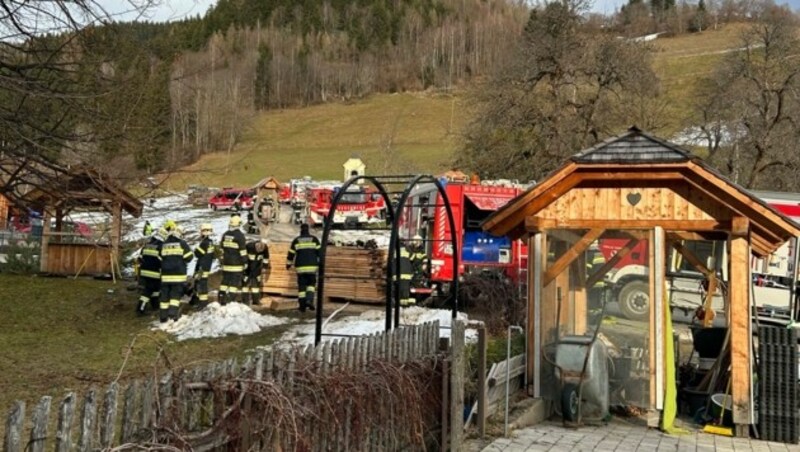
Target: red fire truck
x=478 y=251
x=357 y=207
x=772 y=276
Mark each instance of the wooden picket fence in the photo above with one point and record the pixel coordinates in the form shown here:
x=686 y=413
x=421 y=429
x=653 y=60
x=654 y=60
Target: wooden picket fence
x=130 y=417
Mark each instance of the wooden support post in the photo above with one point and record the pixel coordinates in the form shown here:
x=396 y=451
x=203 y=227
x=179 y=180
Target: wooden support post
x=580 y=296
x=537 y=256
x=43 y=256
x=482 y=381
x=740 y=325
x=457 y=358
x=116 y=235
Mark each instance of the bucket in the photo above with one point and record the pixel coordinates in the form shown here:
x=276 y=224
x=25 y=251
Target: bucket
x=716 y=408
x=695 y=400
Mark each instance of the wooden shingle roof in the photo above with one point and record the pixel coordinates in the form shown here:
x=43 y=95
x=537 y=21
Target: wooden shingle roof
x=634 y=146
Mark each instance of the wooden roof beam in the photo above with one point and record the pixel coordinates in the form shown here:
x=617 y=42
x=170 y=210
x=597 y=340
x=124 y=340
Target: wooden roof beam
x=570 y=255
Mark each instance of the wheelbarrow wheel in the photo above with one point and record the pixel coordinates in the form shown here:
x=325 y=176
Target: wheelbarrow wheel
x=569 y=402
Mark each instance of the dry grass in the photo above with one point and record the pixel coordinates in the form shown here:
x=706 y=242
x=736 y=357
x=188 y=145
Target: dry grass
x=421 y=129
x=681 y=61
x=390 y=132
x=60 y=334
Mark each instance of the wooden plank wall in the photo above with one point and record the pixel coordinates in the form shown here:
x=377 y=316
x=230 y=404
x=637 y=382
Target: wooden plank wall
x=68 y=258
x=117 y=415
x=679 y=202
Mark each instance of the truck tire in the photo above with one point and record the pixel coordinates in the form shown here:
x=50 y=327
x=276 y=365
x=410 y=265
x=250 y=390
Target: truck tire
x=569 y=402
x=634 y=301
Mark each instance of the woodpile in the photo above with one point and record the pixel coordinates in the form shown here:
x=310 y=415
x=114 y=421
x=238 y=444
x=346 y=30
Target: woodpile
x=350 y=274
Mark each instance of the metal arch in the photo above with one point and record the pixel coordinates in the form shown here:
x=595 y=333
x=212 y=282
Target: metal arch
x=394 y=245
x=326 y=233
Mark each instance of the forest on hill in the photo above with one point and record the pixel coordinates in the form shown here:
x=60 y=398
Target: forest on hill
x=135 y=99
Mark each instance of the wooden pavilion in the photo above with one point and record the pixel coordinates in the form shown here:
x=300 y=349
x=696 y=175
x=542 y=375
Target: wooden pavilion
x=58 y=191
x=638 y=188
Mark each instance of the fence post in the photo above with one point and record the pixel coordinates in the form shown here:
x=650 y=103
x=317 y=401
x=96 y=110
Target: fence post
x=128 y=413
x=14 y=423
x=41 y=415
x=457 y=385
x=109 y=416
x=482 y=380
x=64 y=432
x=88 y=421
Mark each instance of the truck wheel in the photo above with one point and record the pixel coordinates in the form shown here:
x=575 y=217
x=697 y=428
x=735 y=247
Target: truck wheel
x=569 y=402
x=634 y=301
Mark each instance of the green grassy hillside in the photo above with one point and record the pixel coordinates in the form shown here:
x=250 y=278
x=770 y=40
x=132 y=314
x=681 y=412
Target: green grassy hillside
x=411 y=132
x=392 y=133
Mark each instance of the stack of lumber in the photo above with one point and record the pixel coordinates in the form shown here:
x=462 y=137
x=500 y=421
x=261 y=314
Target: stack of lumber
x=350 y=274
x=355 y=274
x=277 y=280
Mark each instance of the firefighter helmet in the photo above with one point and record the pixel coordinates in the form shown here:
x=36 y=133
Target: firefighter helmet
x=170 y=224
x=235 y=221
x=206 y=229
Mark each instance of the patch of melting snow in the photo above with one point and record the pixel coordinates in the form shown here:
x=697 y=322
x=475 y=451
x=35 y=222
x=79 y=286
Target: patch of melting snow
x=373 y=321
x=217 y=321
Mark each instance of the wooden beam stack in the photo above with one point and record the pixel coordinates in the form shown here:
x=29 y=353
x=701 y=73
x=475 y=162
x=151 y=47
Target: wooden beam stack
x=350 y=273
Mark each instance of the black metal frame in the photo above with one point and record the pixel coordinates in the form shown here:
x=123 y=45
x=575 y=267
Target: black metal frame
x=393 y=258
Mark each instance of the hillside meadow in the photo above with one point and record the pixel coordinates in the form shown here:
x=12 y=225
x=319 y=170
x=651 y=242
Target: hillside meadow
x=415 y=132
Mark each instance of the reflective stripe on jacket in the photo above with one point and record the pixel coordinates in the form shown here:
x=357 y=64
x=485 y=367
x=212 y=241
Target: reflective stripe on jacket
x=234 y=253
x=205 y=255
x=304 y=254
x=175 y=254
x=256 y=261
x=149 y=261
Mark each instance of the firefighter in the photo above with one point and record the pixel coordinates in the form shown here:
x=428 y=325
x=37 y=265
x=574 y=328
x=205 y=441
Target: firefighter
x=150 y=273
x=204 y=252
x=147 y=231
x=406 y=275
x=234 y=259
x=174 y=255
x=419 y=263
x=304 y=255
x=257 y=261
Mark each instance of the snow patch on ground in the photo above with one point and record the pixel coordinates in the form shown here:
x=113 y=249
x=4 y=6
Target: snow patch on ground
x=359 y=238
x=217 y=321
x=373 y=321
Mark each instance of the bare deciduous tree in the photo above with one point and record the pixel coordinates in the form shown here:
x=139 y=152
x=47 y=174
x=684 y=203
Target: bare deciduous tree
x=569 y=87
x=48 y=90
x=749 y=108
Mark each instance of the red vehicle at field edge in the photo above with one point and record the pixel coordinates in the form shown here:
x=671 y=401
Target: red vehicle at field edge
x=359 y=205
x=232 y=199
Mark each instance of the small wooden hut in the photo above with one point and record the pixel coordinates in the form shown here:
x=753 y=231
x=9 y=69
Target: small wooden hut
x=72 y=190
x=638 y=189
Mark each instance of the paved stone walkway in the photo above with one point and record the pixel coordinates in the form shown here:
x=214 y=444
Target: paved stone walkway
x=620 y=436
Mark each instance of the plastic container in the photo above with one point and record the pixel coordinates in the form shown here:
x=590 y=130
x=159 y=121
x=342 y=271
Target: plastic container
x=716 y=409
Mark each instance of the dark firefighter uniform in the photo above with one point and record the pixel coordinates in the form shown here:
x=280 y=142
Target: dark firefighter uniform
x=175 y=254
x=204 y=252
x=257 y=260
x=304 y=255
x=149 y=274
x=234 y=260
x=406 y=275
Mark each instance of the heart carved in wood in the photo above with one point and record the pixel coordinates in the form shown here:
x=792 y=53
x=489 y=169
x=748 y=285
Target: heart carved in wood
x=634 y=198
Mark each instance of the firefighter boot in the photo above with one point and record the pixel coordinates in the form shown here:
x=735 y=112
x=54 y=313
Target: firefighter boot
x=256 y=298
x=222 y=298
